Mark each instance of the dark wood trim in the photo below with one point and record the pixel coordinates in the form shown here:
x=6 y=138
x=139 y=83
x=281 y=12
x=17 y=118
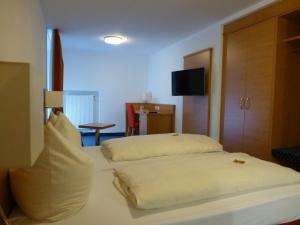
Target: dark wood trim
x=198 y=52
x=195 y=100
x=276 y=9
x=224 y=57
x=58 y=64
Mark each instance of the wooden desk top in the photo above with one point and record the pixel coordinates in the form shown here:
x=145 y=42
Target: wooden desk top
x=97 y=125
x=152 y=113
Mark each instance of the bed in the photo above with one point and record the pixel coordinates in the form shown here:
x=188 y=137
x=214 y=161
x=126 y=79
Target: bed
x=108 y=207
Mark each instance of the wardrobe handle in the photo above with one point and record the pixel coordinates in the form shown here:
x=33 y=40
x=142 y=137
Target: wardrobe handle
x=247 y=103
x=242 y=103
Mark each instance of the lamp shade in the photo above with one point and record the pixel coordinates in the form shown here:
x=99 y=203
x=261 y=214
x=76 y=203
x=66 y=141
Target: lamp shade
x=21 y=115
x=147 y=96
x=53 y=99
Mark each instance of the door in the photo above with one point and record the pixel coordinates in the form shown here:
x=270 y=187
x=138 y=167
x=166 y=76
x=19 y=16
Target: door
x=234 y=90
x=259 y=89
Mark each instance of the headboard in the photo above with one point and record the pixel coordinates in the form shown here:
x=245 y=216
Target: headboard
x=6 y=199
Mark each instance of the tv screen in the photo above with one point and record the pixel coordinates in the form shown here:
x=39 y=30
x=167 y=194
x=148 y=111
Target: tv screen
x=188 y=82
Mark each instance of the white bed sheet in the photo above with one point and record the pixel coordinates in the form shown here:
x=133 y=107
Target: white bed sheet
x=106 y=206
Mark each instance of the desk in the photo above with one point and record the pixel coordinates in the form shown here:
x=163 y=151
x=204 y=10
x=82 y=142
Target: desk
x=97 y=127
x=155 y=118
x=155 y=123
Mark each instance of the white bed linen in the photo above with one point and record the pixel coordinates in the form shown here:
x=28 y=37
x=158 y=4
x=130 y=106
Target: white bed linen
x=171 y=182
x=155 y=145
x=106 y=206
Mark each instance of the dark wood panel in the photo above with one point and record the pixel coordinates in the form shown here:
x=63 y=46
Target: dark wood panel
x=286 y=120
x=273 y=80
x=279 y=8
x=233 y=90
x=260 y=87
x=159 y=123
x=196 y=109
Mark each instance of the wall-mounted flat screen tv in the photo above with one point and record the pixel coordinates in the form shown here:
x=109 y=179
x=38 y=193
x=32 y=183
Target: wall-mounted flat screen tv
x=188 y=82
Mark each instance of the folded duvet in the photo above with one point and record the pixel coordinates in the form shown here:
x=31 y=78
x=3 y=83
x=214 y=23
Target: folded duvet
x=147 y=146
x=201 y=177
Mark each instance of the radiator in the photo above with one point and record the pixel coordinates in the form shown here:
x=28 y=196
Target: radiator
x=81 y=107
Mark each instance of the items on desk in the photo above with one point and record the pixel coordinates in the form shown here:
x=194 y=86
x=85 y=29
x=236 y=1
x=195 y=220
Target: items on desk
x=143 y=110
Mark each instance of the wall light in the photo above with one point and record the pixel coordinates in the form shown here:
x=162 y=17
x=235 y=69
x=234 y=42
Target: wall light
x=114 y=40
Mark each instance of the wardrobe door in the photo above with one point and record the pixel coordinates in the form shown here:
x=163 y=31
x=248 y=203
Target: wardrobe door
x=259 y=89
x=234 y=90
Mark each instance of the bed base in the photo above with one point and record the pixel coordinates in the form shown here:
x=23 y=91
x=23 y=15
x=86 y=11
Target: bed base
x=296 y=222
x=6 y=200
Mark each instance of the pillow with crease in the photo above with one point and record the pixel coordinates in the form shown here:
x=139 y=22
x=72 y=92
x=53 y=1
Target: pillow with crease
x=68 y=130
x=156 y=145
x=58 y=184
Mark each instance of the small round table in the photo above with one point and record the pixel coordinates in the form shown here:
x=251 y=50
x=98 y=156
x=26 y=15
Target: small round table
x=97 y=127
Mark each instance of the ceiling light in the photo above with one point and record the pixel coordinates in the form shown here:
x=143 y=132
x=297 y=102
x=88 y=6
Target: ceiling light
x=113 y=40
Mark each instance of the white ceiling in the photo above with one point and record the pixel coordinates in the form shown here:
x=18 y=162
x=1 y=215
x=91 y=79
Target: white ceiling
x=150 y=25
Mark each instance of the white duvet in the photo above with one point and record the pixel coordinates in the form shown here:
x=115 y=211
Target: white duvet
x=147 y=146
x=200 y=177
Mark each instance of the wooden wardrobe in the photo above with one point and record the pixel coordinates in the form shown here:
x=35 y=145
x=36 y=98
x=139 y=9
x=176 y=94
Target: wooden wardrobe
x=261 y=81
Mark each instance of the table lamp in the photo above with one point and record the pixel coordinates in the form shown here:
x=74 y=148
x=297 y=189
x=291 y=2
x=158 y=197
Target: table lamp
x=147 y=96
x=21 y=119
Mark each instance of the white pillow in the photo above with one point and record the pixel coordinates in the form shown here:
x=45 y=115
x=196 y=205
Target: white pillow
x=67 y=129
x=52 y=118
x=58 y=184
x=147 y=146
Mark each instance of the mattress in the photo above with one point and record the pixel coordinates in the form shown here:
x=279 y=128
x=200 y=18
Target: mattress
x=106 y=206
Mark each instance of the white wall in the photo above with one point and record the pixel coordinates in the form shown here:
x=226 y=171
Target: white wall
x=117 y=78
x=169 y=59
x=23 y=39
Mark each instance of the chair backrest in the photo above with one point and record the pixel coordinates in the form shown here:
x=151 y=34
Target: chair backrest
x=130 y=115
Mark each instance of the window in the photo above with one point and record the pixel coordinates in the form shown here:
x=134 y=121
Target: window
x=81 y=107
x=49 y=59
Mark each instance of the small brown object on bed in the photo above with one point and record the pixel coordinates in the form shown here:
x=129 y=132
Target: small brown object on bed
x=239 y=161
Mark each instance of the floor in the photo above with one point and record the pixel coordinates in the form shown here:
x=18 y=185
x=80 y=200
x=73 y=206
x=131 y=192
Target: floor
x=89 y=140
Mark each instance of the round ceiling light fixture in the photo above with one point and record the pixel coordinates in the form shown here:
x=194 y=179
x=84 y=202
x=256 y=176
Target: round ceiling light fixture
x=113 y=40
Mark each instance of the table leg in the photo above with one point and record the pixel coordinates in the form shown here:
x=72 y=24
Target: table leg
x=97 y=137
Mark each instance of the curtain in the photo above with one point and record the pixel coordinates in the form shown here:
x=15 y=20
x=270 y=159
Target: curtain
x=57 y=66
x=57 y=63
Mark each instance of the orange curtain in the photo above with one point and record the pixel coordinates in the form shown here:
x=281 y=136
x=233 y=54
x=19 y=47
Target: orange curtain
x=57 y=66
x=57 y=63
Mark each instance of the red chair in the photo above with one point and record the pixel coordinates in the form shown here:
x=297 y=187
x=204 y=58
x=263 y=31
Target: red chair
x=131 y=120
